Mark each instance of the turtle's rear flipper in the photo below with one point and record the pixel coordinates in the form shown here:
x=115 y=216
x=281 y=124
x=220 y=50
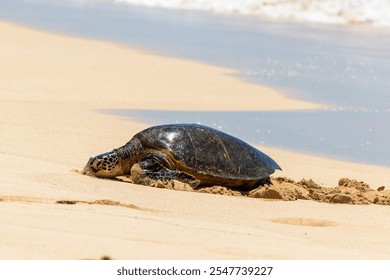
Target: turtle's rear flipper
x=149 y=170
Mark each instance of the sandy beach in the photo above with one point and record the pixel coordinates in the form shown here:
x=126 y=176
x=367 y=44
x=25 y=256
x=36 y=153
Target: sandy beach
x=51 y=90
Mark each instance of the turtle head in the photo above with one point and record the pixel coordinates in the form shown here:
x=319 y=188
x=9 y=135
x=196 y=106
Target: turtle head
x=107 y=165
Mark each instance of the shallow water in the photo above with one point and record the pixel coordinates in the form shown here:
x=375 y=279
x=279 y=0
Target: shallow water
x=347 y=68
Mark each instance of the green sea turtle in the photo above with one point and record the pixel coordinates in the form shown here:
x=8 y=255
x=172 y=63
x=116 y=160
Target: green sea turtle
x=190 y=153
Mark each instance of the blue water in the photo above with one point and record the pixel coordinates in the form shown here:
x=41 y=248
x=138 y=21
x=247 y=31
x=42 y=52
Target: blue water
x=347 y=68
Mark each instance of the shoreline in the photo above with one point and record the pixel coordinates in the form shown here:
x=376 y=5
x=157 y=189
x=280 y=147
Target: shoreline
x=51 y=87
x=181 y=84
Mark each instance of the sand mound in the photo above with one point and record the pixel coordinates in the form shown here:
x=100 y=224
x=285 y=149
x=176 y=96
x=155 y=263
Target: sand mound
x=348 y=191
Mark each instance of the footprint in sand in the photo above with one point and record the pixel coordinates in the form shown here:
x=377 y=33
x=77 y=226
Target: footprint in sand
x=304 y=222
x=102 y=202
x=22 y=199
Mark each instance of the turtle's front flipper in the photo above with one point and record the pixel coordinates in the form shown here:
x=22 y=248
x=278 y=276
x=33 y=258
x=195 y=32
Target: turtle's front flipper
x=154 y=170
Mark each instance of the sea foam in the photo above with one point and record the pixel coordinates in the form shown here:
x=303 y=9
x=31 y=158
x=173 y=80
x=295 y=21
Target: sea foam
x=373 y=12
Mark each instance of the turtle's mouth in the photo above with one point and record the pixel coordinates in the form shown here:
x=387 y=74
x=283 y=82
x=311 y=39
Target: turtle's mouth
x=88 y=170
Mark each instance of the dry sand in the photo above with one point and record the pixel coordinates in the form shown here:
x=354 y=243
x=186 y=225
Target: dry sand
x=51 y=87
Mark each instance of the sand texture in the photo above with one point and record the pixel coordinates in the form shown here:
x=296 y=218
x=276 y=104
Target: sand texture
x=51 y=90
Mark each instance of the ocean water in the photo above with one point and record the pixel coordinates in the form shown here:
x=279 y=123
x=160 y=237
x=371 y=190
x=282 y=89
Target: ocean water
x=345 y=67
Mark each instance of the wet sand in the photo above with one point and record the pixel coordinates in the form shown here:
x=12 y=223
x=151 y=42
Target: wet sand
x=52 y=88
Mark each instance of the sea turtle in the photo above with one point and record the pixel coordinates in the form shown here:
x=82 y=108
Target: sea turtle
x=190 y=153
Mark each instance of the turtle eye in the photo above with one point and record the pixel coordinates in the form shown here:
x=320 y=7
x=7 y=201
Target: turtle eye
x=96 y=164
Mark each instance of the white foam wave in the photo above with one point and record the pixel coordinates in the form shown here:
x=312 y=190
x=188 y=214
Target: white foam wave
x=373 y=12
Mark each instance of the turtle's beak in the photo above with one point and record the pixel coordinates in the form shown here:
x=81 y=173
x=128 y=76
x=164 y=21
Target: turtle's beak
x=86 y=167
